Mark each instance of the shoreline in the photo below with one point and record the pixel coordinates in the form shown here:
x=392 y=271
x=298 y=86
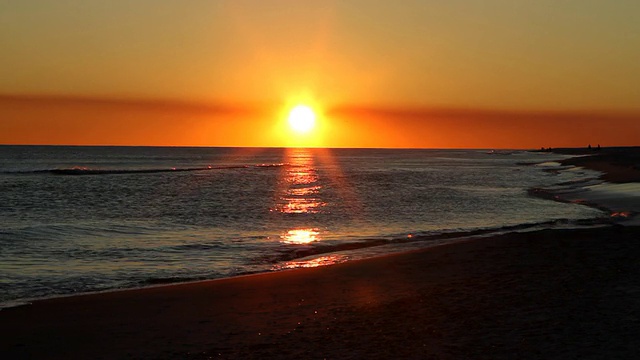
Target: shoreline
x=402 y=245
x=350 y=254
x=617 y=164
x=505 y=295
x=348 y=309
x=616 y=189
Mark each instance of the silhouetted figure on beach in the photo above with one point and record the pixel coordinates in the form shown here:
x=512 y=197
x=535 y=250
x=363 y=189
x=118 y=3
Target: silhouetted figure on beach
x=589 y=146
x=598 y=147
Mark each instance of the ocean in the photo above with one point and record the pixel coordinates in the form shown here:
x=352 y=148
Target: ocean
x=85 y=219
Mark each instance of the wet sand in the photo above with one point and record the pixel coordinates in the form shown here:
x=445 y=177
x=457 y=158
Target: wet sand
x=546 y=294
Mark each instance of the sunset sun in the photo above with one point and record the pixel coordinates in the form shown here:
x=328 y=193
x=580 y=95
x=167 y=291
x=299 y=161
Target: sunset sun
x=302 y=119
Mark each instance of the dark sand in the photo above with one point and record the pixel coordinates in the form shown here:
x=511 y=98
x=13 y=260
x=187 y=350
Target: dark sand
x=563 y=294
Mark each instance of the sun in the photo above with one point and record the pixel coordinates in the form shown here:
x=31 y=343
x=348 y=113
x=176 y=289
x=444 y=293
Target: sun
x=302 y=119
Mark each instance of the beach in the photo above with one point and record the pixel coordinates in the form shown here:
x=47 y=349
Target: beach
x=555 y=293
x=617 y=191
x=545 y=294
x=618 y=164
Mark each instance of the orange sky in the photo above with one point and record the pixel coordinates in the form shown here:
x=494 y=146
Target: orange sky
x=100 y=122
x=417 y=73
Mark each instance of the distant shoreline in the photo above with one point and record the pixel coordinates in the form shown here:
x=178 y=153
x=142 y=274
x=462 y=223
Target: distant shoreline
x=619 y=165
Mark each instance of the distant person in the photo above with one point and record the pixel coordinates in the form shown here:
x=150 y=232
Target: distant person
x=589 y=146
x=598 y=147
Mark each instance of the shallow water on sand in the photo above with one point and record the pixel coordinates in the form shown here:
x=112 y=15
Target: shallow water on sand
x=78 y=219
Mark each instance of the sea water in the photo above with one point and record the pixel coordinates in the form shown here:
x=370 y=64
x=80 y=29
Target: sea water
x=83 y=219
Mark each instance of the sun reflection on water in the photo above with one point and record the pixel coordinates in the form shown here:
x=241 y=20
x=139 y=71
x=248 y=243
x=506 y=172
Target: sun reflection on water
x=320 y=261
x=299 y=194
x=299 y=183
x=300 y=236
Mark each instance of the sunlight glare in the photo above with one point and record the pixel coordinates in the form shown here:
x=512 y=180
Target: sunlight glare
x=300 y=236
x=302 y=119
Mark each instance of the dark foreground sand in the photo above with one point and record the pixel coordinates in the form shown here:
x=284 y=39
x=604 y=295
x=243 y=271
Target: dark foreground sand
x=563 y=294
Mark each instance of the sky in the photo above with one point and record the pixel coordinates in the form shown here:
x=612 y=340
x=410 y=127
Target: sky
x=423 y=73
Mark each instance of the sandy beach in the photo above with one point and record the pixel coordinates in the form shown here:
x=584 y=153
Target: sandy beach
x=535 y=295
x=547 y=294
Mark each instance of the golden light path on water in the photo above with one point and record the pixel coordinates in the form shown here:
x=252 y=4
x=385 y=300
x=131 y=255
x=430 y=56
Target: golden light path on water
x=300 y=194
x=320 y=261
x=300 y=188
x=300 y=236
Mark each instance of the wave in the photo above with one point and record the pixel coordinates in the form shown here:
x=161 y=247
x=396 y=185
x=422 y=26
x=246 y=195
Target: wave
x=81 y=170
x=288 y=254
